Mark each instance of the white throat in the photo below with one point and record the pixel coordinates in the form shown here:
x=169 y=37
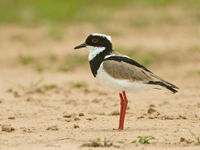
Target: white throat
x=93 y=51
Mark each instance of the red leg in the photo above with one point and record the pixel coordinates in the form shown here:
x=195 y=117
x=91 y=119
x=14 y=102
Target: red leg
x=124 y=109
x=121 y=110
x=123 y=103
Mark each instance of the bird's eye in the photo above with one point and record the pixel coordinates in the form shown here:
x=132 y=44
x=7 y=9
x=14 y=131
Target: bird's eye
x=95 y=40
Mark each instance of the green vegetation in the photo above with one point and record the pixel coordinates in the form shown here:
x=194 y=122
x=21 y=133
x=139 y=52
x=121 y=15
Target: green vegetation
x=145 y=139
x=42 y=11
x=31 y=88
x=55 y=32
x=53 y=11
x=196 y=137
x=26 y=59
x=147 y=60
x=98 y=143
x=71 y=62
x=197 y=47
x=36 y=86
x=198 y=72
x=148 y=19
x=52 y=62
x=19 y=37
x=39 y=67
x=47 y=87
x=51 y=57
x=79 y=84
x=194 y=140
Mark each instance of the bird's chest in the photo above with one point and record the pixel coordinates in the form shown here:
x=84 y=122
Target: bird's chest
x=105 y=79
x=117 y=84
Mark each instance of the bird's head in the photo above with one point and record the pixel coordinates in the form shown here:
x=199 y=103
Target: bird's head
x=96 y=43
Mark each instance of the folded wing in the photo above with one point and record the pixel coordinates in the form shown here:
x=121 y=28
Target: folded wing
x=122 y=67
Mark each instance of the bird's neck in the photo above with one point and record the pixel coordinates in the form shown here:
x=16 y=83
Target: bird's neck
x=98 y=59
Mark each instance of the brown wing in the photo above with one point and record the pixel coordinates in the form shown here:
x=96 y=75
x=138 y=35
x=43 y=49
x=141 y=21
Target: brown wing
x=122 y=67
x=123 y=70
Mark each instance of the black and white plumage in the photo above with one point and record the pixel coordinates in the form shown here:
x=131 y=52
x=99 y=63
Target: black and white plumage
x=117 y=71
x=120 y=72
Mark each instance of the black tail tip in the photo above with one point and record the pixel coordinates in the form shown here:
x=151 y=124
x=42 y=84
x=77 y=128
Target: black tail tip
x=173 y=90
x=169 y=87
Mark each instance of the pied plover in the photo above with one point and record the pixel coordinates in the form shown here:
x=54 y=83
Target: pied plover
x=120 y=72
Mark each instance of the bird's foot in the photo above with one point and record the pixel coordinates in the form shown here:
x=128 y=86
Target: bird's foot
x=119 y=129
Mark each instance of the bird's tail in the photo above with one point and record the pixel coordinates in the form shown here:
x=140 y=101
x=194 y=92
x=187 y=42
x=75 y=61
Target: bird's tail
x=165 y=84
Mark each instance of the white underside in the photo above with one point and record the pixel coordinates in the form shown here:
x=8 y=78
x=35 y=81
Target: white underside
x=118 y=84
x=94 y=51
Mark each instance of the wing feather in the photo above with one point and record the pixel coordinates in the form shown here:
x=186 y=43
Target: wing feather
x=121 y=67
x=123 y=70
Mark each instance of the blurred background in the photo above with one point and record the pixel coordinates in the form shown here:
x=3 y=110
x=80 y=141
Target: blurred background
x=49 y=96
x=40 y=35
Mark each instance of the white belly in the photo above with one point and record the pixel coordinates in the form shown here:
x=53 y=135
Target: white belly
x=117 y=84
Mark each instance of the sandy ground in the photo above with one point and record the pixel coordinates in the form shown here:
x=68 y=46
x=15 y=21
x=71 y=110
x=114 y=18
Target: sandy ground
x=71 y=115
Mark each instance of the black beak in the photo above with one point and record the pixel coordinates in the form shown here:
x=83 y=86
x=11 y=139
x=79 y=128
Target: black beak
x=80 y=46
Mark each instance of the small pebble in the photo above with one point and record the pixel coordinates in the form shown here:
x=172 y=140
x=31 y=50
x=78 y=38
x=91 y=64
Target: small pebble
x=151 y=105
x=68 y=120
x=96 y=101
x=53 y=128
x=151 y=110
x=81 y=114
x=181 y=117
x=76 y=119
x=67 y=115
x=7 y=128
x=10 y=90
x=151 y=117
x=167 y=117
x=26 y=130
x=114 y=113
x=11 y=117
x=16 y=94
x=140 y=117
x=182 y=139
x=29 y=99
x=76 y=126
x=187 y=141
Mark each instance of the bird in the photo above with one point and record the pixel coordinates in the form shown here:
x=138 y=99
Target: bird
x=120 y=72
